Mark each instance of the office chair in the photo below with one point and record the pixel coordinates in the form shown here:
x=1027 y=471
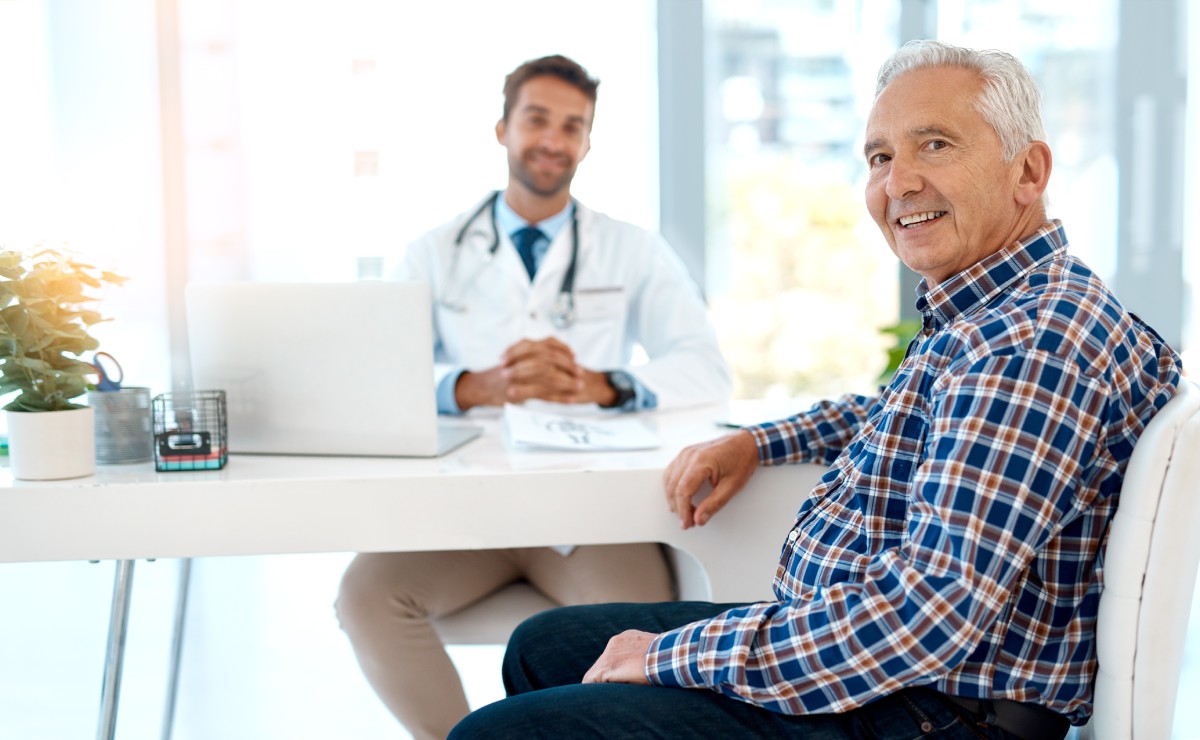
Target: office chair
x=491 y=620
x=1149 y=574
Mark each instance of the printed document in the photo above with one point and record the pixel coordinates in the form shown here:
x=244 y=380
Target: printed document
x=533 y=426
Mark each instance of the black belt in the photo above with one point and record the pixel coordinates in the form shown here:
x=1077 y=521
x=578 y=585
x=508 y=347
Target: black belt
x=1026 y=721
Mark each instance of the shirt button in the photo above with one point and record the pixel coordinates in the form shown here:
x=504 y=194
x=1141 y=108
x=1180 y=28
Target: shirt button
x=926 y=726
x=793 y=535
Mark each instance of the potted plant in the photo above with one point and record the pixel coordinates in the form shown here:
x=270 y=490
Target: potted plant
x=44 y=323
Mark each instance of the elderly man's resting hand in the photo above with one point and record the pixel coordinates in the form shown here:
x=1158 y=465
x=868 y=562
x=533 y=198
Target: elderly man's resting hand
x=623 y=660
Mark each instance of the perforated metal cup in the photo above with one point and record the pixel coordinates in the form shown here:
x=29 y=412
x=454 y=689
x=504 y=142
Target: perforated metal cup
x=122 y=425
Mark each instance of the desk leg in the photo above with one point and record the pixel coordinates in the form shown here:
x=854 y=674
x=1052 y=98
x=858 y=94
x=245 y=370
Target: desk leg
x=118 y=623
x=185 y=577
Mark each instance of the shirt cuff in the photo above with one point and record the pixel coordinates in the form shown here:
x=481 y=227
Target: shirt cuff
x=445 y=392
x=669 y=658
x=762 y=434
x=643 y=398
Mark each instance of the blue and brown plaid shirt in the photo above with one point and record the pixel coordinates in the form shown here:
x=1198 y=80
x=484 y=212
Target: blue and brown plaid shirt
x=957 y=539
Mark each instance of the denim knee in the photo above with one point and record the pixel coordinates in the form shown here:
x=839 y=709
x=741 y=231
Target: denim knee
x=529 y=629
x=476 y=724
x=529 y=635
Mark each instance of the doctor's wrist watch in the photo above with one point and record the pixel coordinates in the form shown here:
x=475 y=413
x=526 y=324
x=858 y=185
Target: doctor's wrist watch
x=622 y=383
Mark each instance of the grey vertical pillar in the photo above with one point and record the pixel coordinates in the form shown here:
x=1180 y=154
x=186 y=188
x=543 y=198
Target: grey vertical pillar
x=681 y=72
x=1151 y=100
x=918 y=20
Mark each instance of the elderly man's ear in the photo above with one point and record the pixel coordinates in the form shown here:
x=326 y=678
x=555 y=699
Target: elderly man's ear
x=1035 y=173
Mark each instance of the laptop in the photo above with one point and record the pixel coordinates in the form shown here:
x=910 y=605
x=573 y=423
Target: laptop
x=321 y=368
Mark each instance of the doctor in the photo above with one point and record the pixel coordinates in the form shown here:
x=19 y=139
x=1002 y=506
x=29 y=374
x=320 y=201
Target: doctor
x=538 y=296
x=535 y=297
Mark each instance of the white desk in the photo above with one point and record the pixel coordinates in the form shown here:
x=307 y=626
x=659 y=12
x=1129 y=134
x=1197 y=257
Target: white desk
x=480 y=496
x=483 y=495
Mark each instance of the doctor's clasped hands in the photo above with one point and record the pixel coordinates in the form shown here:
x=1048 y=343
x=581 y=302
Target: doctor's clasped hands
x=544 y=369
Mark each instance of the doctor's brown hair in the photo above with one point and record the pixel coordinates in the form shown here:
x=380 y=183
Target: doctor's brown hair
x=556 y=65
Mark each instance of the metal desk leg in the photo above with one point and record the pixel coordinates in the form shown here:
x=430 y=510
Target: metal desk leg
x=185 y=577
x=118 y=624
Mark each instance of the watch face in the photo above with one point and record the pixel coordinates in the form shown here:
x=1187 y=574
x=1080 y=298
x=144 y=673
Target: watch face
x=620 y=381
x=623 y=385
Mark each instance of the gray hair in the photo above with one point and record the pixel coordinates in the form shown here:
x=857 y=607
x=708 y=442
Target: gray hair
x=1010 y=100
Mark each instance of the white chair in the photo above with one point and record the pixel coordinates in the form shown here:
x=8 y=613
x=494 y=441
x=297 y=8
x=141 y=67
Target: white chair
x=1150 y=572
x=492 y=619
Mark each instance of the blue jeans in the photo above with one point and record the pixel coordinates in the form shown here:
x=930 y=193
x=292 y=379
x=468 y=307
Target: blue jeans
x=549 y=653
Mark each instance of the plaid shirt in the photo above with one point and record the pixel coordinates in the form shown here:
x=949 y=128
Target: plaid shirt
x=957 y=539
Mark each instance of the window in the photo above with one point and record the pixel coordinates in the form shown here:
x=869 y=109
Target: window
x=1071 y=50
x=800 y=280
x=367 y=124
x=79 y=161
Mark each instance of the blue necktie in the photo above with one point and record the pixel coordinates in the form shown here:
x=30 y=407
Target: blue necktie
x=524 y=239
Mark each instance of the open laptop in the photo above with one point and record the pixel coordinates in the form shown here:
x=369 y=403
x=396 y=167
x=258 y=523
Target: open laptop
x=321 y=368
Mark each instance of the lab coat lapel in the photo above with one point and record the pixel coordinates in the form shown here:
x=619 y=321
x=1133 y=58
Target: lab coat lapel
x=554 y=264
x=511 y=267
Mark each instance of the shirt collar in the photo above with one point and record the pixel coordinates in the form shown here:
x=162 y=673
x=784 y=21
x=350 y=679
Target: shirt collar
x=991 y=276
x=508 y=222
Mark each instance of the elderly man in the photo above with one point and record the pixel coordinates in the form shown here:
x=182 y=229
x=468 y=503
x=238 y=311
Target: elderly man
x=942 y=580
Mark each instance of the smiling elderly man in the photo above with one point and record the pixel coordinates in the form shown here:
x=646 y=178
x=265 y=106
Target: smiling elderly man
x=943 y=577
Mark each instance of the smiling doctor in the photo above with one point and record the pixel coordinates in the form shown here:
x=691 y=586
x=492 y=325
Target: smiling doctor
x=538 y=296
x=535 y=297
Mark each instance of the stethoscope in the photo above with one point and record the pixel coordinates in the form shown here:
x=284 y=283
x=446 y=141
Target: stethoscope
x=563 y=313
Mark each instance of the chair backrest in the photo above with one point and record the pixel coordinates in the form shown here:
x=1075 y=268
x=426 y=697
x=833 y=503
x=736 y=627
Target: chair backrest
x=1149 y=574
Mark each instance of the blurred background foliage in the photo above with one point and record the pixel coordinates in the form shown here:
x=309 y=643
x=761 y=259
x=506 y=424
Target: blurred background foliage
x=807 y=296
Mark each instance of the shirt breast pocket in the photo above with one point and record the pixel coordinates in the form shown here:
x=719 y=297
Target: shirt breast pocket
x=896 y=445
x=600 y=305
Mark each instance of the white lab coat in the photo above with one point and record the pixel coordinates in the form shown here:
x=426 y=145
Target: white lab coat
x=630 y=288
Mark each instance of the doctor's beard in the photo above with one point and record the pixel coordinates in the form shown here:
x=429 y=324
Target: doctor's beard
x=543 y=187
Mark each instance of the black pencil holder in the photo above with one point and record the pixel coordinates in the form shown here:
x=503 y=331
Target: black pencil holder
x=190 y=431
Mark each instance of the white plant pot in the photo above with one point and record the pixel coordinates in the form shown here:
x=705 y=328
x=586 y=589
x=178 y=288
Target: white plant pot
x=51 y=445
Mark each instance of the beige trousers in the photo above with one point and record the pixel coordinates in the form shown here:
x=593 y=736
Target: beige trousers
x=387 y=601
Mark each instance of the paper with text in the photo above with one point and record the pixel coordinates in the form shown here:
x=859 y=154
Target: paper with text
x=539 y=429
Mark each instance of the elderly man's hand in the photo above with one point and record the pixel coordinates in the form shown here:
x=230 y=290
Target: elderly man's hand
x=725 y=463
x=623 y=660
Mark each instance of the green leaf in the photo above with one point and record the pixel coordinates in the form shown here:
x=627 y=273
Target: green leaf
x=44 y=318
x=900 y=334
